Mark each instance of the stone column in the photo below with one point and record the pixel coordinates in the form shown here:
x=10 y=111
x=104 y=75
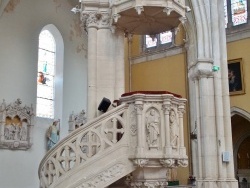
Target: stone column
x=208 y=133
x=140 y=128
x=226 y=102
x=217 y=45
x=166 y=108
x=181 y=109
x=105 y=61
x=202 y=72
x=119 y=64
x=90 y=21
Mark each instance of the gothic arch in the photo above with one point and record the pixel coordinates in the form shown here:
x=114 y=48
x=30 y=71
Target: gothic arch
x=238 y=111
x=246 y=115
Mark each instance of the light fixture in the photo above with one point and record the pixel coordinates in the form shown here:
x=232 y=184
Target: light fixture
x=76 y=9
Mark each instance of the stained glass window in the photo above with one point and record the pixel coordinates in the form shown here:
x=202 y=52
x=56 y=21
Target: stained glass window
x=159 y=39
x=45 y=75
x=166 y=37
x=239 y=11
x=151 y=41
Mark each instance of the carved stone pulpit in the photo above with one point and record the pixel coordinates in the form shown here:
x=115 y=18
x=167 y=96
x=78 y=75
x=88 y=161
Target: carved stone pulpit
x=156 y=135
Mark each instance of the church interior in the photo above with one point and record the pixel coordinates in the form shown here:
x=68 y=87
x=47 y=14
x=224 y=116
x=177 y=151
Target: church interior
x=124 y=93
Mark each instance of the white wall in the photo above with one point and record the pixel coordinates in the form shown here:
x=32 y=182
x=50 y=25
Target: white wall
x=20 y=25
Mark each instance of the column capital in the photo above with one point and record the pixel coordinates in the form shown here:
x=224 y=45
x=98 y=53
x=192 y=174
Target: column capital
x=166 y=108
x=96 y=19
x=139 y=108
x=181 y=109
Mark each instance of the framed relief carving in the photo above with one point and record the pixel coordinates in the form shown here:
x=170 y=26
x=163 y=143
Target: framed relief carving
x=235 y=77
x=16 y=125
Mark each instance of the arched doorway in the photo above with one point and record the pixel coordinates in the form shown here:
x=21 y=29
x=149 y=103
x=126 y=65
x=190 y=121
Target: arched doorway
x=240 y=121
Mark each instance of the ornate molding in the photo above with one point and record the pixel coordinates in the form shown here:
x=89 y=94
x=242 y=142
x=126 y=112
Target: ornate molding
x=183 y=162
x=146 y=183
x=173 y=163
x=169 y=163
x=141 y=162
x=16 y=125
x=104 y=176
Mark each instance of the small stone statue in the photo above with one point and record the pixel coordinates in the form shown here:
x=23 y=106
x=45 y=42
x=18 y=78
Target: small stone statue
x=53 y=134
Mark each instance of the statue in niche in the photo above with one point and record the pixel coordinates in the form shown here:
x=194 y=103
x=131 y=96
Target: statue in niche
x=53 y=134
x=174 y=130
x=152 y=123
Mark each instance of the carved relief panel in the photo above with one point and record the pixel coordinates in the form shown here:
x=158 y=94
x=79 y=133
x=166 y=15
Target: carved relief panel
x=16 y=125
x=153 y=128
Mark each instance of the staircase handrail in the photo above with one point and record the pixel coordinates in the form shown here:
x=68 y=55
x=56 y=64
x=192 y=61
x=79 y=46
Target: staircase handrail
x=58 y=149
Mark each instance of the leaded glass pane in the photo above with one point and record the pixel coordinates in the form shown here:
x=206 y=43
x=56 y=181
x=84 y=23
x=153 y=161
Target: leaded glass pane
x=45 y=108
x=150 y=41
x=46 y=73
x=239 y=11
x=166 y=37
x=46 y=41
x=225 y=13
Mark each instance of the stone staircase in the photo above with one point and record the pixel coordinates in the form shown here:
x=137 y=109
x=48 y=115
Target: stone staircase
x=139 y=137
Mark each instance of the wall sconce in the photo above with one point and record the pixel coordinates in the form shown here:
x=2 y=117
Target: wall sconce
x=76 y=9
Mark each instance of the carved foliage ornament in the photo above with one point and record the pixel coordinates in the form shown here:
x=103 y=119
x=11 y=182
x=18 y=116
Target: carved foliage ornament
x=15 y=125
x=141 y=162
x=173 y=163
x=96 y=19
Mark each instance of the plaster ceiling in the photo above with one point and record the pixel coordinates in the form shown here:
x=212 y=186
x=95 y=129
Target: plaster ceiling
x=151 y=21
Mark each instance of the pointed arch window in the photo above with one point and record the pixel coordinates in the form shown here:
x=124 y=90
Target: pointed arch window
x=46 y=75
